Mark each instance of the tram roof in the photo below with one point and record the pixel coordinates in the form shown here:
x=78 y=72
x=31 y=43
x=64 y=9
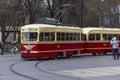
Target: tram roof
x=49 y=26
x=56 y=28
x=100 y=30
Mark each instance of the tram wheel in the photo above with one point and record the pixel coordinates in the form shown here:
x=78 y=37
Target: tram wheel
x=106 y=52
x=94 y=54
x=59 y=54
x=53 y=58
x=70 y=56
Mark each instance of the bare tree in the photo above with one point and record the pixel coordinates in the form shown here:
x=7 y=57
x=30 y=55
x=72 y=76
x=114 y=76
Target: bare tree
x=51 y=8
x=5 y=17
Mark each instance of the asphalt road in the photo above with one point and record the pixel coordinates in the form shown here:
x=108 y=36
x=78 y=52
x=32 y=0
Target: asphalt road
x=12 y=67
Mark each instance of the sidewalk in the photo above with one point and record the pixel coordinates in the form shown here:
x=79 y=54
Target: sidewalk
x=7 y=53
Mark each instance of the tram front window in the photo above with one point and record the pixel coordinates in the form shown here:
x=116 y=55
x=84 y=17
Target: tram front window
x=32 y=36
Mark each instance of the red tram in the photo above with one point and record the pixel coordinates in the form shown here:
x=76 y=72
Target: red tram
x=43 y=40
x=98 y=39
x=50 y=41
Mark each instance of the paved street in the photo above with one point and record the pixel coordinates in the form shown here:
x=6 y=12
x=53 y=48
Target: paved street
x=77 y=68
x=86 y=68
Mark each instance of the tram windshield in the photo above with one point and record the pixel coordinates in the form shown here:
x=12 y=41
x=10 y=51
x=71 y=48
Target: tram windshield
x=29 y=36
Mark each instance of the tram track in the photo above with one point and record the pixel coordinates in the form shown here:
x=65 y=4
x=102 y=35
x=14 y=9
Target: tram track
x=18 y=73
x=52 y=73
x=36 y=65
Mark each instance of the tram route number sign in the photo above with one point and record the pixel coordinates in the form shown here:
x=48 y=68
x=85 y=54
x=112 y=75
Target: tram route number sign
x=30 y=30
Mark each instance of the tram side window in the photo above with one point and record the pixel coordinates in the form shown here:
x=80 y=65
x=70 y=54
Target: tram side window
x=58 y=36
x=104 y=36
x=63 y=36
x=83 y=37
x=115 y=35
x=52 y=36
x=110 y=36
x=77 y=37
x=47 y=36
x=92 y=37
x=74 y=37
x=97 y=36
x=118 y=36
x=68 y=36
x=41 y=37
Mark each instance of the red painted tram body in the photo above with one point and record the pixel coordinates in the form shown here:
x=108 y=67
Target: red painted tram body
x=98 y=39
x=42 y=40
x=50 y=41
